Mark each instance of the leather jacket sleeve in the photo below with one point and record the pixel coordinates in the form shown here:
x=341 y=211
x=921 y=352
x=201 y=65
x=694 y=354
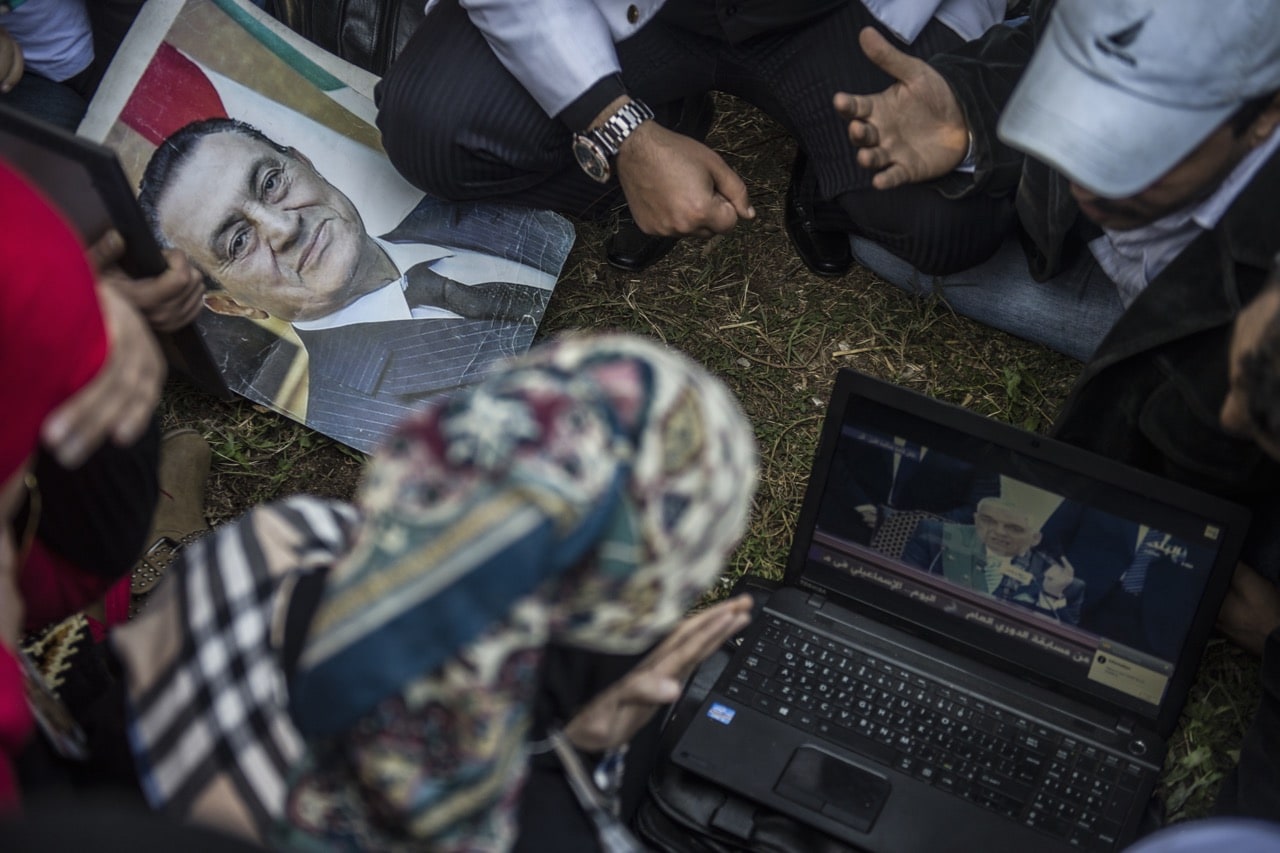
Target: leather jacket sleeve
x=982 y=74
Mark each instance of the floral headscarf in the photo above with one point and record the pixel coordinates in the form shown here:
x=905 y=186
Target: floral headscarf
x=585 y=494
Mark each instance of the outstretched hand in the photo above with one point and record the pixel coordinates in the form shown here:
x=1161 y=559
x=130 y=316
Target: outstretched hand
x=911 y=132
x=117 y=404
x=676 y=186
x=612 y=718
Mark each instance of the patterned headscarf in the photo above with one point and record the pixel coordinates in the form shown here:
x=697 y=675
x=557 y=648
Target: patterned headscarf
x=585 y=494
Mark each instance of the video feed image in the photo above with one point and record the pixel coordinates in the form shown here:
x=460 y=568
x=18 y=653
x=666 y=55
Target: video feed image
x=1105 y=580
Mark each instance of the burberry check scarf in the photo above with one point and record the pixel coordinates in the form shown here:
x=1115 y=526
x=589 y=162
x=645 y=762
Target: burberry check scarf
x=587 y=494
x=207 y=713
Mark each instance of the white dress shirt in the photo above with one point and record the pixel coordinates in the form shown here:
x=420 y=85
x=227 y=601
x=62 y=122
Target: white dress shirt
x=388 y=302
x=1133 y=259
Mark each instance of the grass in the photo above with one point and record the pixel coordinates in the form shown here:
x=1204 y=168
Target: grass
x=744 y=305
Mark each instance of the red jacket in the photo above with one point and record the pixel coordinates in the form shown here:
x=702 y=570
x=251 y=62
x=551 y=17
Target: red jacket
x=52 y=342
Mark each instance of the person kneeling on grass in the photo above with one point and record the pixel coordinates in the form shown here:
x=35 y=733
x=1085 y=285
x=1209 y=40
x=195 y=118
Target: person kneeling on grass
x=379 y=676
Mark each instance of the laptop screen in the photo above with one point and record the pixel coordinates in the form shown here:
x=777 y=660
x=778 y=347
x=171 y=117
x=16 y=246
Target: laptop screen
x=1063 y=566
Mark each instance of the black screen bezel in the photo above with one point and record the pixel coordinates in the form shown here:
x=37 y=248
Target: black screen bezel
x=1231 y=518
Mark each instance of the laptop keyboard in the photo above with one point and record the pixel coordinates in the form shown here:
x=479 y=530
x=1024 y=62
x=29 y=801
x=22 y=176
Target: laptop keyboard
x=950 y=739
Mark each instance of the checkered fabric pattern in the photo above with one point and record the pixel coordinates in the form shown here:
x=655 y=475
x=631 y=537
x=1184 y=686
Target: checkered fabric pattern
x=208 y=714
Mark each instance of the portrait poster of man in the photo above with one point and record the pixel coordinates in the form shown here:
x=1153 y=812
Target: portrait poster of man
x=338 y=294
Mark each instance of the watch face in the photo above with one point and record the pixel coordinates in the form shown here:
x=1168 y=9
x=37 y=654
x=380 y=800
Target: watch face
x=591 y=158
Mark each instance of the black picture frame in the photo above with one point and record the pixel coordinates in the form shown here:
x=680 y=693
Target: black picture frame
x=85 y=181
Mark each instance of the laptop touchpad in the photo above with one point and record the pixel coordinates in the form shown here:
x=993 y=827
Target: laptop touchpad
x=834 y=787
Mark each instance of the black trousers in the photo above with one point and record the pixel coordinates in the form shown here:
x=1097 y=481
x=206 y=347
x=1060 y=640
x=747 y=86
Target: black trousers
x=105 y=825
x=458 y=125
x=550 y=817
x=1252 y=789
x=97 y=516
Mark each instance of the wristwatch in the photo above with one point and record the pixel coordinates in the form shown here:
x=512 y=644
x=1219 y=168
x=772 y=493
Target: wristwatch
x=595 y=149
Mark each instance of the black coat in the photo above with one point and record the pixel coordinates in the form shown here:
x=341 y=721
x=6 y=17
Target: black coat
x=1150 y=395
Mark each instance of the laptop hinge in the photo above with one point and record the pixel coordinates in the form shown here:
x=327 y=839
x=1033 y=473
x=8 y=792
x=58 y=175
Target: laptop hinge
x=1125 y=726
x=816 y=600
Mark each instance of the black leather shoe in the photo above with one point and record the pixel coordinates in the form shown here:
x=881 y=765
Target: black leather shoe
x=633 y=250
x=825 y=252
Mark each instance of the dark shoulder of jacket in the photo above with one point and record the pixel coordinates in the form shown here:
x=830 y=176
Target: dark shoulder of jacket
x=1249 y=226
x=1184 y=371
x=1047 y=213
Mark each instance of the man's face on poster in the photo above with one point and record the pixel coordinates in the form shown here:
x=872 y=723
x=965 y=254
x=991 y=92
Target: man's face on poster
x=277 y=236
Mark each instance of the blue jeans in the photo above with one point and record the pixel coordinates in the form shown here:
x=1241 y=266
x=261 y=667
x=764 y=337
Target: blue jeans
x=1069 y=313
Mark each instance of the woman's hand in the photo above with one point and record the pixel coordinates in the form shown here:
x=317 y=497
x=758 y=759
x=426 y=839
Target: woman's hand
x=612 y=718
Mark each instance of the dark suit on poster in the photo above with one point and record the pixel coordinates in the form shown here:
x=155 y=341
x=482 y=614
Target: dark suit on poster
x=536 y=238
x=366 y=377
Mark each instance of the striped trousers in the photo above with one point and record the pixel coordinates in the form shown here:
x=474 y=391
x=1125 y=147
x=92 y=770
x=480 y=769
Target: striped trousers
x=458 y=125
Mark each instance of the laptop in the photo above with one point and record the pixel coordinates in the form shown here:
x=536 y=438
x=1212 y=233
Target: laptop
x=85 y=181
x=983 y=638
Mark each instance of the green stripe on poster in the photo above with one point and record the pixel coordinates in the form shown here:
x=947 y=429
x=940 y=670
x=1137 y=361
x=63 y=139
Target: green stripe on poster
x=316 y=75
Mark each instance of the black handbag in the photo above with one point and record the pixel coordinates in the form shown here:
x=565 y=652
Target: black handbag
x=367 y=33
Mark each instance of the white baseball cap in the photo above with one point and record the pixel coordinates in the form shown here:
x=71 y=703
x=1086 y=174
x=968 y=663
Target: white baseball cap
x=1120 y=91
